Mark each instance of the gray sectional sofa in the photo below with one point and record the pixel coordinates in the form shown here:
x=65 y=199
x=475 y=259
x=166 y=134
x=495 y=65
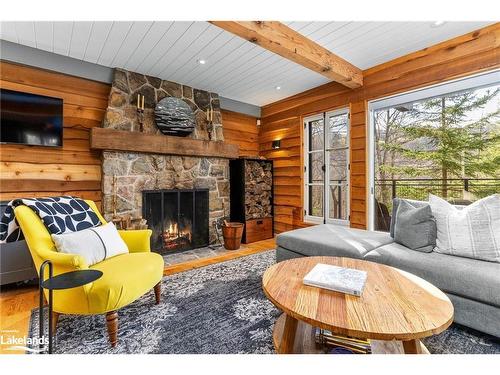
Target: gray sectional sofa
x=473 y=286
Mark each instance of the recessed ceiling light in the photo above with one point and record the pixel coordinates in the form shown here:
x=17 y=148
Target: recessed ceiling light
x=202 y=62
x=278 y=87
x=438 y=23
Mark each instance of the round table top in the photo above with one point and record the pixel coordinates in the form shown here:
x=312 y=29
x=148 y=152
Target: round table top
x=394 y=304
x=71 y=279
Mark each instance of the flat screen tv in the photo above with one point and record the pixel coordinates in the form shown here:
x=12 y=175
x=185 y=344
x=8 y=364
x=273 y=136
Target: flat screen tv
x=30 y=119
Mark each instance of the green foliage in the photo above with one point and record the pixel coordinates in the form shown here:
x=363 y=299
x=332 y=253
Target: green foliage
x=455 y=136
x=447 y=137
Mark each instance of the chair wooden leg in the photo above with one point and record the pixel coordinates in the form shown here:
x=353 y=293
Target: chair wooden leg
x=55 y=319
x=112 y=325
x=158 y=293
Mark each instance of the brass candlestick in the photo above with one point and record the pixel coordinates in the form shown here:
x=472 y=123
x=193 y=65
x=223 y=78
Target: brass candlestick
x=140 y=112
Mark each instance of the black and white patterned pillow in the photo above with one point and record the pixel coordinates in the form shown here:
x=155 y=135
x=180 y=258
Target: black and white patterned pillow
x=64 y=214
x=9 y=230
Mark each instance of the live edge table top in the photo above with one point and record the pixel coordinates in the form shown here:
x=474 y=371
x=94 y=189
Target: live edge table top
x=394 y=305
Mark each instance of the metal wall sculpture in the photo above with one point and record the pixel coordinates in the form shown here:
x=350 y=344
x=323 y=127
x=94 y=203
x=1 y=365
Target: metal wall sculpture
x=173 y=116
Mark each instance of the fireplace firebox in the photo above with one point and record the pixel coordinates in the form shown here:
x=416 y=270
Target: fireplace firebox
x=178 y=219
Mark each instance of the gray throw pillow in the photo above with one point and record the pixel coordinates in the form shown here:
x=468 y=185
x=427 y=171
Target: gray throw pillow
x=395 y=205
x=415 y=227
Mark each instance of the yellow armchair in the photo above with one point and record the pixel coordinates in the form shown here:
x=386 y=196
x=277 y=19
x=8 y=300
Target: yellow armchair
x=126 y=277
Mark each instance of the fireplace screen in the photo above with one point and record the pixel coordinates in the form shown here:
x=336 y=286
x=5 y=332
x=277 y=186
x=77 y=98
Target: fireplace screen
x=178 y=219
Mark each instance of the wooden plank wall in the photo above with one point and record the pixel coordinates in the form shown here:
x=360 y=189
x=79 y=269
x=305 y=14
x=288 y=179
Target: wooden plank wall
x=241 y=130
x=468 y=54
x=30 y=171
x=288 y=176
x=359 y=163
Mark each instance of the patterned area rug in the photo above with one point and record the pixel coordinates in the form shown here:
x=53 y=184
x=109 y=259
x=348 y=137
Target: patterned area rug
x=215 y=309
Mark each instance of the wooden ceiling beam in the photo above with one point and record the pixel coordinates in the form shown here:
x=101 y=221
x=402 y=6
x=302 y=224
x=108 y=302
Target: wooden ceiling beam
x=288 y=43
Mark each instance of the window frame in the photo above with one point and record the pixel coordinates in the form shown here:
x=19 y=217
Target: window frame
x=470 y=82
x=324 y=116
x=337 y=112
x=307 y=217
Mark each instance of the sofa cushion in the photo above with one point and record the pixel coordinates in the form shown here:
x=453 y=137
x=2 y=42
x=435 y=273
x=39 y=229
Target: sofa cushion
x=414 y=203
x=332 y=240
x=472 y=232
x=415 y=227
x=395 y=206
x=474 y=279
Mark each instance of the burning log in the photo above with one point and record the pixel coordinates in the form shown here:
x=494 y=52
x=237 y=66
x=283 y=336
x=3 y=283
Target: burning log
x=173 y=238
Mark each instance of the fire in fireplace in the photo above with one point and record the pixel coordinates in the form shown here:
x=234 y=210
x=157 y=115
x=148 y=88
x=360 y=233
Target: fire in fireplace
x=174 y=238
x=178 y=219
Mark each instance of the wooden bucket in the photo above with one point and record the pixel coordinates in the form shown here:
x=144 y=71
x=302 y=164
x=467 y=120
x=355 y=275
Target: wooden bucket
x=232 y=233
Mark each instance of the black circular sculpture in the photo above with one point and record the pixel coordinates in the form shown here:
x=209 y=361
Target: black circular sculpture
x=173 y=116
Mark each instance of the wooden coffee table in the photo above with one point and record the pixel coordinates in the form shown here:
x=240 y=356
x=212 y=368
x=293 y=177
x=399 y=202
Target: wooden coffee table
x=396 y=307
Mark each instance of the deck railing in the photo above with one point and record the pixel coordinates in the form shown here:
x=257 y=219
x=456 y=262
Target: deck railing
x=458 y=190
x=452 y=188
x=455 y=190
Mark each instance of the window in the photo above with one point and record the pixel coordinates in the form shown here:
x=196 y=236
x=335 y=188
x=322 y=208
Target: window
x=326 y=169
x=443 y=140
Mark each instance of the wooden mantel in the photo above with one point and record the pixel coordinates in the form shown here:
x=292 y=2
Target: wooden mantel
x=126 y=141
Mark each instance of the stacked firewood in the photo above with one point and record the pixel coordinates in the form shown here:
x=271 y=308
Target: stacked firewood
x=258 y=189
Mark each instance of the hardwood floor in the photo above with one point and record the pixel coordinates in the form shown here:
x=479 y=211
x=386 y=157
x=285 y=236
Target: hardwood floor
x=15 y=310
x=16 y=303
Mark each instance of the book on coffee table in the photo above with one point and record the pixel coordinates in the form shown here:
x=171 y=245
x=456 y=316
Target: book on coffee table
x=338 y=279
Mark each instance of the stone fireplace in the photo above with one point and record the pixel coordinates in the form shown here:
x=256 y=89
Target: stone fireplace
x=127 y=175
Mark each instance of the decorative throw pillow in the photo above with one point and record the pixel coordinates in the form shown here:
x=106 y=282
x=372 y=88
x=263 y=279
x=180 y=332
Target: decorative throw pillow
x=395 y=205
x=415 y=227
x=472 y=232
x=94 y=244
x=63 y=214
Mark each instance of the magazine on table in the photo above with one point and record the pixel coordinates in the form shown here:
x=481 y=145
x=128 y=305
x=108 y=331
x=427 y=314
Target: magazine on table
x=338 y=279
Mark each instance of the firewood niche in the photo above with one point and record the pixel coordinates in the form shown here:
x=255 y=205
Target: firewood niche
x=251 y=193
x=258 y=189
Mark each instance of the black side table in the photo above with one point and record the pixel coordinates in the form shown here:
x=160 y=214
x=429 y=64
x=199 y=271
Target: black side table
x=66 y=280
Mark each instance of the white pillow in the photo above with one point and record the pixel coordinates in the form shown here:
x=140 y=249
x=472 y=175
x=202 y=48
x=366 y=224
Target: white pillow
x=472 y=232
x=94 y=244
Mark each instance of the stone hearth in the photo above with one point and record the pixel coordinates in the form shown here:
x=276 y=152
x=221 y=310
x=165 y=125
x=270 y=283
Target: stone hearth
x=135 y=172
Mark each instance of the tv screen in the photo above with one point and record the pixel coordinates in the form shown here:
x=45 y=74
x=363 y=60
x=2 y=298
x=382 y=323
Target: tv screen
x=30 y=119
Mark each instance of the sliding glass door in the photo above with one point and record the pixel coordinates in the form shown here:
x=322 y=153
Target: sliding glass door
x=326 y=167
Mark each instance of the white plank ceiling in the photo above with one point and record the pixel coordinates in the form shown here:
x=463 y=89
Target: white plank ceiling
x=234 y=68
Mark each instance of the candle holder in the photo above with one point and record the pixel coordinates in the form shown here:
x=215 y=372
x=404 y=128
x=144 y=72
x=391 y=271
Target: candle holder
x=140 y=112
x=210 y=123
x=140 y=119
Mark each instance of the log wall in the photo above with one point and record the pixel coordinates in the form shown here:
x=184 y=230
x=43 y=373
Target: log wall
x=32 y=171
x=241 y=130
x=468 y=54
